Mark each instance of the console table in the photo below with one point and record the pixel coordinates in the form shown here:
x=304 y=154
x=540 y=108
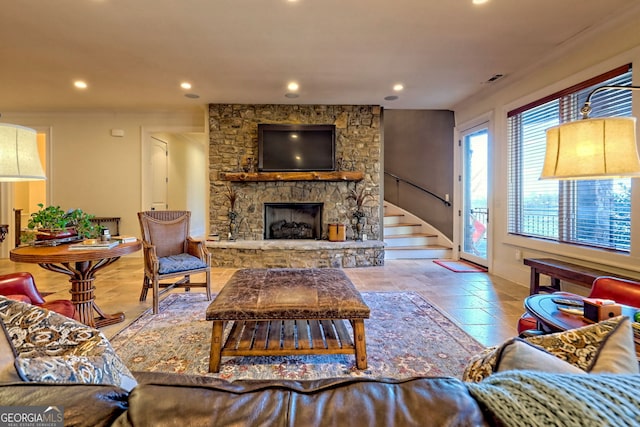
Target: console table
x=561 y=270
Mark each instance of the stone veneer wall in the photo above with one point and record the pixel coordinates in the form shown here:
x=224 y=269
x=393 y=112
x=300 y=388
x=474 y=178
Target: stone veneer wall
x=234 y=137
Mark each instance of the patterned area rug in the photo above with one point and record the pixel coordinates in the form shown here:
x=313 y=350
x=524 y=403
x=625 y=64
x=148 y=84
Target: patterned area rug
x=406 y=336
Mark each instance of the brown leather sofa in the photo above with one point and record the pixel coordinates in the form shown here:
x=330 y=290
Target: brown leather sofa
x=178 y=400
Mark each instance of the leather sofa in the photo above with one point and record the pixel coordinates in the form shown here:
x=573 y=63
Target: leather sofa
x=177 y=400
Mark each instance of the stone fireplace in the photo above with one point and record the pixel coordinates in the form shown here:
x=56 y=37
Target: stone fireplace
x=233 y=133
x=292 y=221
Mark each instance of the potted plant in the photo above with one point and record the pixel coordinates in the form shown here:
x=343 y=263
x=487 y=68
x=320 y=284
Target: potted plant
x=52 y=222
x=360 y=197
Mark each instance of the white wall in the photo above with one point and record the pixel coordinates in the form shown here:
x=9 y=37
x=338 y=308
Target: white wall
x=99 y=173
x=599 y=50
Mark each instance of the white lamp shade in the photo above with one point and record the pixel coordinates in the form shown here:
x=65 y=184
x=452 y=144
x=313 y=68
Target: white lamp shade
x=602 y=148
x=19 y=158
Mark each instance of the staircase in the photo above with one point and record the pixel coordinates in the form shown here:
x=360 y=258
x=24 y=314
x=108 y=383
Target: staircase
x=408 y=237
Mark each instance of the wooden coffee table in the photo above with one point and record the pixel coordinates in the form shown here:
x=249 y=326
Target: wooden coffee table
x=286 y=311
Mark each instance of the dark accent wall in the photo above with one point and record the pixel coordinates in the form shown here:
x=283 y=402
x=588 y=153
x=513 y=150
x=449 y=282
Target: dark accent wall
x=419 y=147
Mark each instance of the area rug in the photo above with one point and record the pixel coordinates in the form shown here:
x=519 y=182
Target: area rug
x=406 y=336
x=461 y=266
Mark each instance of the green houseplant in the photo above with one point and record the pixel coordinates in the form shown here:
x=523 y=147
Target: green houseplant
x=52 y=222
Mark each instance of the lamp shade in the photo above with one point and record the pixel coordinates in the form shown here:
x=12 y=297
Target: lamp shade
x=19 y=158
x=601 y=148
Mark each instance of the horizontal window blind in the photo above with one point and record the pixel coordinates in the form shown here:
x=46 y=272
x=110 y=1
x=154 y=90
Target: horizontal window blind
x=594 y=213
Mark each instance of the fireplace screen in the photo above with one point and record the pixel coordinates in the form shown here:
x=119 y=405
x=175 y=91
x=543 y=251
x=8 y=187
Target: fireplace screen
x=293 y=220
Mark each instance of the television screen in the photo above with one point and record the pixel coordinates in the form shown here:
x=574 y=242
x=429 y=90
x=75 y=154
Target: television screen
x=293 y=148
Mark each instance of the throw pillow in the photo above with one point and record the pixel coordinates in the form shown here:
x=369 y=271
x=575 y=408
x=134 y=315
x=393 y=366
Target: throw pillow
x=606 y=346
x=8 y=373
x=518 y=354
x=49 y=347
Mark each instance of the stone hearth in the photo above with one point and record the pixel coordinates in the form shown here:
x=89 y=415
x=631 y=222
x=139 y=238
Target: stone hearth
x=296 y=254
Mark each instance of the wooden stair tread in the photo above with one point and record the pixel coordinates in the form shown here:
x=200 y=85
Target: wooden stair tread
x=421 y=247
x=404 y=236
x=404 y=224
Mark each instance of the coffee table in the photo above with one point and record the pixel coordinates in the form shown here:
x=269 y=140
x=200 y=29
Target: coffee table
x=286 y=311
x=550 y=319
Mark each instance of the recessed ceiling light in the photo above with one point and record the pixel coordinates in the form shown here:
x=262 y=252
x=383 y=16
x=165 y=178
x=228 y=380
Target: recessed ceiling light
x=480 y=1
x=80 y=84
x=185 y=85
x=293 y=86
x=398 y=87
x=192 y=95
x=390 y=98
x=291 y=95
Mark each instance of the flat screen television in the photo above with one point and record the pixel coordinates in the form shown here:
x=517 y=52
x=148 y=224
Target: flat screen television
x=293 y=148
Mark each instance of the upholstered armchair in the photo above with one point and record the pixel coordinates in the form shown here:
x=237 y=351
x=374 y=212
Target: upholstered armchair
x=22 y=287
x=170 y=253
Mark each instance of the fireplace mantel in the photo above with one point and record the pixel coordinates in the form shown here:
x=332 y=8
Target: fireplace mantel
x=292 y=176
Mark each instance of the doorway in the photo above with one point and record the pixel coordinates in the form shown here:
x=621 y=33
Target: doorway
x=474 y=213
x=159 y=174
x=175 y=173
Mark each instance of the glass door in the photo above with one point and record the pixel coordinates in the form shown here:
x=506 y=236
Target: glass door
x=474 y=213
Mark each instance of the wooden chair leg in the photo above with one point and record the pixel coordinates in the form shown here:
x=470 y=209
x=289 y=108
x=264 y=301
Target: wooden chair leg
x=145 y=288
x=208 y=279
x=156 y=295
x=187 y=280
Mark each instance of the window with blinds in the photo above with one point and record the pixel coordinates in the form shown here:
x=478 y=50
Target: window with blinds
x=594 y=213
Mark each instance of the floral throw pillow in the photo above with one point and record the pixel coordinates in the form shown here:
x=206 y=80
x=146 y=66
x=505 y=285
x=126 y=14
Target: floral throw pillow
x=49 y=347
x=607 y=346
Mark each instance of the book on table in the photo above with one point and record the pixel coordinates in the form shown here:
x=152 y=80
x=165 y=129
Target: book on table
x=92 y=244
x=124 y=239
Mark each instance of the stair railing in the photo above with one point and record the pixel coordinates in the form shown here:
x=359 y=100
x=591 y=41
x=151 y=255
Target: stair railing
x=412 y=184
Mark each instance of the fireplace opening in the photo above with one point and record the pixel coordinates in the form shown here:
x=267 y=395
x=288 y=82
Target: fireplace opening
x=292 y=221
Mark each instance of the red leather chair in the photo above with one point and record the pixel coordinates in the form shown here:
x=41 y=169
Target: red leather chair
x=22 y=287
x=622 y=291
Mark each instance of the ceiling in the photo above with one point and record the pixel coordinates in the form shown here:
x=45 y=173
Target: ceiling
x=134 y=53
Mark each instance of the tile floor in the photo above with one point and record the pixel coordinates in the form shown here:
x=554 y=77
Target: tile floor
x=485 y=306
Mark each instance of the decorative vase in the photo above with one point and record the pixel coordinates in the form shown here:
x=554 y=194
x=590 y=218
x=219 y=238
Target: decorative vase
x=233 y=230
x=233 y=225
x=359 y=227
